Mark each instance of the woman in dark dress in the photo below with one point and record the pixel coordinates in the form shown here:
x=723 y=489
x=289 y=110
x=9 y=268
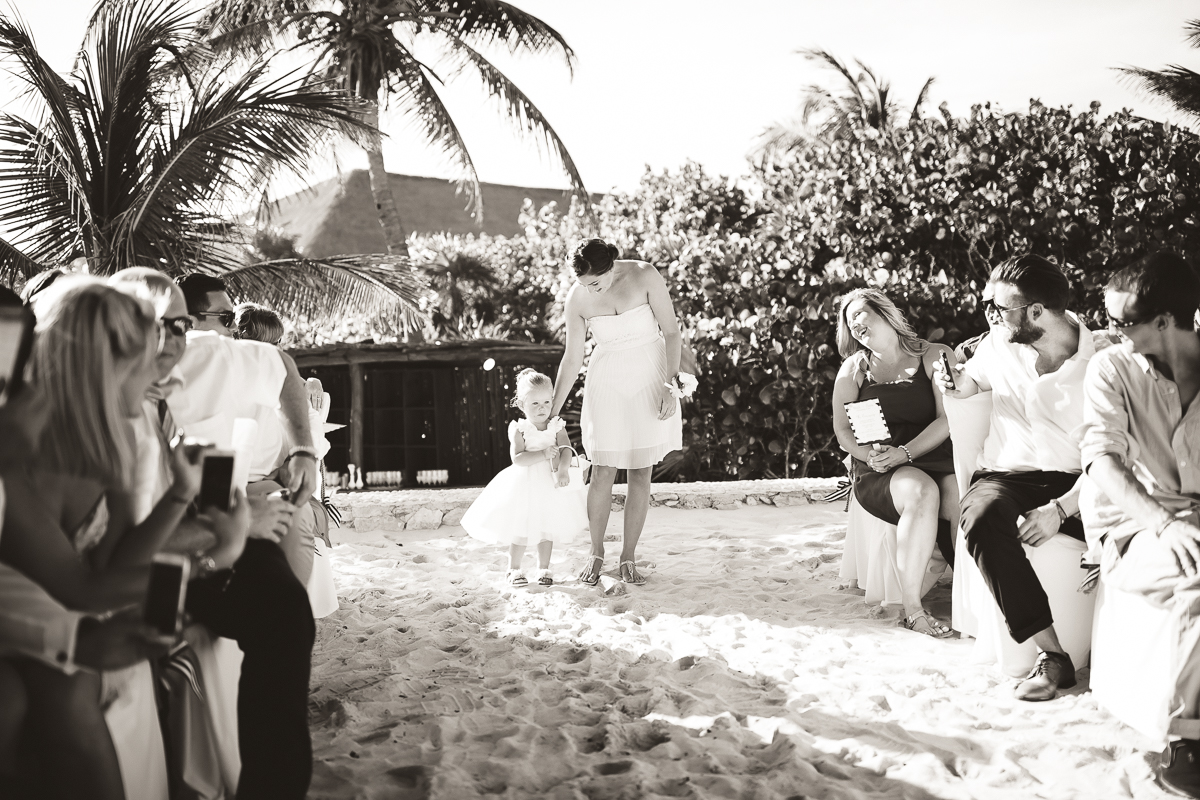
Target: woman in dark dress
x=909 y=480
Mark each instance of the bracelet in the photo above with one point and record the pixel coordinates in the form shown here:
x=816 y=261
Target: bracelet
x=174 y=498
x=905 y=449
x=1162 y=528
x=302 y=451
x=1062 y=515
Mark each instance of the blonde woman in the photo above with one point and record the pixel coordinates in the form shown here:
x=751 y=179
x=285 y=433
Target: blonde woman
x=909 y=480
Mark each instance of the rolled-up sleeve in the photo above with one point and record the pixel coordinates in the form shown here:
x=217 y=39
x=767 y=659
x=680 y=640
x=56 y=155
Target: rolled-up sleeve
x=978 y=364
x=1105 y=429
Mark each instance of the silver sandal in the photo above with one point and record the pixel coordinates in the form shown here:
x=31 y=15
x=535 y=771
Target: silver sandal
x=591 y=573
x=631 y=575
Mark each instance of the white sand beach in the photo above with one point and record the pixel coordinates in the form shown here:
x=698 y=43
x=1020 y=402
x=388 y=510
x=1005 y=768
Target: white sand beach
x=740 y=670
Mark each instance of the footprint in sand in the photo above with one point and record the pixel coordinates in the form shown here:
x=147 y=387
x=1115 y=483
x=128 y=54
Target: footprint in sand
x=614 y=768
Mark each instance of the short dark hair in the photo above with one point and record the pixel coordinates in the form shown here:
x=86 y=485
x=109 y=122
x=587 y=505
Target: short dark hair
x=593 y=257
x=196 y=287
x=1037 y=279
x=1162 y=283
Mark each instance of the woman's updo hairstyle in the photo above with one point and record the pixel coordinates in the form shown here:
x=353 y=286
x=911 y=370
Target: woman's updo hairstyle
x=593 y=257
x=527 y=380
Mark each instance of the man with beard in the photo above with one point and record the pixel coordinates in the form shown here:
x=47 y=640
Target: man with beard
x=1034 y=364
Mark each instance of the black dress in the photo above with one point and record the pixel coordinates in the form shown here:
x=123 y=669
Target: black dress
x=909 y=408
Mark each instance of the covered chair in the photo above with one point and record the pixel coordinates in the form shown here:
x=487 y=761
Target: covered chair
x=1056 y=563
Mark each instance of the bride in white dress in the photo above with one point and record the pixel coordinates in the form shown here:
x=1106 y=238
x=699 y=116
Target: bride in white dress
x=630 y=419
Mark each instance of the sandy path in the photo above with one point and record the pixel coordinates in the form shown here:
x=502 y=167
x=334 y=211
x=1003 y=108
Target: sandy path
x=738 y=671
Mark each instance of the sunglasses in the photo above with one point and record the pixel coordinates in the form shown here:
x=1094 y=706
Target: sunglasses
x=1115 y=324
x=992 y=309
x=178 y=325
x=223 y=317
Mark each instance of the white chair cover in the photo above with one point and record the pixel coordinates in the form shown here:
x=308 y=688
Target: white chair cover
x=869 y=557
x=1131 y=658
x=221 y=662
x=1056 y=564
x=322 y=593
x=131 y=713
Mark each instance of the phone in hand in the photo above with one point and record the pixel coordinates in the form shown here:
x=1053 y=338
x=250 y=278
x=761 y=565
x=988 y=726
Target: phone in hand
x=945 y=362
x=216 y=480
x=16 y=339
x=166 y=593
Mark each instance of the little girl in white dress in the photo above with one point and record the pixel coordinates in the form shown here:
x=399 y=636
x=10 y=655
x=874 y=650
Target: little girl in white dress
x=532 y=501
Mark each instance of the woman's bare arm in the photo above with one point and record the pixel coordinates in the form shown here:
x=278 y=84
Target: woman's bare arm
x=572 y=360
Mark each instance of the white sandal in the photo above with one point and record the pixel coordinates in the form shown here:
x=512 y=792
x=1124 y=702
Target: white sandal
x=631 y=575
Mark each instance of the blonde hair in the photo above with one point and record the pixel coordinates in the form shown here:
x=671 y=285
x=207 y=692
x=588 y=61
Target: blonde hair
x=85 y=329
x=148 y=284
x=882 y=305
x=259 y=323
x=528 y=379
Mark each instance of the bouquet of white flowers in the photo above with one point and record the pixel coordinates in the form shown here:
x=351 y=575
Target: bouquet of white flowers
x=682 y=385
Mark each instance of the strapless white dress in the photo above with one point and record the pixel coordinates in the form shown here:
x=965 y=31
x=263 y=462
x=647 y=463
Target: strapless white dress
x=620 y=424
x=521 y=505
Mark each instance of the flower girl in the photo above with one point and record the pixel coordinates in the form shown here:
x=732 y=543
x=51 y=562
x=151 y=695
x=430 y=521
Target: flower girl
x=532 y=501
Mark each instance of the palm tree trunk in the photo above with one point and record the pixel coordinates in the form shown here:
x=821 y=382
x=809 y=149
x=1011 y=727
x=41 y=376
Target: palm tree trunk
x=381 y=189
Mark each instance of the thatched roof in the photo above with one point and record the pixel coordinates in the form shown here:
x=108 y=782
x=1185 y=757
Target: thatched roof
x=337 y=216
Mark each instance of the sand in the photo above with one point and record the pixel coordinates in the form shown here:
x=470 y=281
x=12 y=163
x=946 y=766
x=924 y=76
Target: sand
x=740 y=670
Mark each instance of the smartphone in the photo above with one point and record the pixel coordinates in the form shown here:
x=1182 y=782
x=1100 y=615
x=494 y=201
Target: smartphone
x=166 y=593
x=16 y=339
x=946 y=368
x=216 y=480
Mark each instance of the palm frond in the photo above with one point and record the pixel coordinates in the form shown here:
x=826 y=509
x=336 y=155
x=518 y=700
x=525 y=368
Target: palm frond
x=41 y=196
x=412 y=89
x=251 y=28
x=1193 y=29
x=922 y=98
x=235 y=135
x=15 y=264
x=829 y=61
x=378 y=288
x=484 y=22
x=1177 y=85
x=523 y=114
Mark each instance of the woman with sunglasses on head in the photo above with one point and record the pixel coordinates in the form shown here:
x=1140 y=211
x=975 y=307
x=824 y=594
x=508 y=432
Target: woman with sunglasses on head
x=907 y=481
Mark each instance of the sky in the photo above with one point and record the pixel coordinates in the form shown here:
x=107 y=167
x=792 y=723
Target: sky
x=659 y=82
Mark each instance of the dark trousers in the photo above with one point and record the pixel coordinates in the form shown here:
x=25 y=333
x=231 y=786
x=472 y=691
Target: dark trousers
x=265 y=608
x=989 y=519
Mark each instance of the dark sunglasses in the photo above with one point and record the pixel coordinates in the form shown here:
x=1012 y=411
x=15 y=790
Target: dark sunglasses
x=179 y=325
x=223 y=317
x=1115 y=324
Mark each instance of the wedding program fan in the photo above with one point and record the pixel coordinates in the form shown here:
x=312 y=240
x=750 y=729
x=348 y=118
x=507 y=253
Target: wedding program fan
x=867 y=421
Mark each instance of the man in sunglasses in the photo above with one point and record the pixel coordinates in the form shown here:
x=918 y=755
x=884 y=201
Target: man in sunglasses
x=1141 y=453
x=1033 y=362
x=208 y=302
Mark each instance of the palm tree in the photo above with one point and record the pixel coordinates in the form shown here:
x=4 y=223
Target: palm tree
x=132 y=158
x=367 y=47
x=456 y=281
x=1177 y=85
x=864 y=102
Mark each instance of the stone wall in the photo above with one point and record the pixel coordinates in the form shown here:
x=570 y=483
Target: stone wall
x=428 y=509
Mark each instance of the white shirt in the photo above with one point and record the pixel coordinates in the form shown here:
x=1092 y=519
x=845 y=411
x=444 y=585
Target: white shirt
x=219 y=380
x=1035 y=418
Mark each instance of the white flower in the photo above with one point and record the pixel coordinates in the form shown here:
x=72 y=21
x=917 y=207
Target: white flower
x=683 y=385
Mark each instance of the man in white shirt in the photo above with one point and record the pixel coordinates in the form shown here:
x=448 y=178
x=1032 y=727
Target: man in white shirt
x=226 y=379
x=1033 y=363
x=1141 y=446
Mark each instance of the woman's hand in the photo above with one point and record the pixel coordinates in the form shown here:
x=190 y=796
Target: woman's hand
x=187 y=467
x=666 y=403
x=887 y=458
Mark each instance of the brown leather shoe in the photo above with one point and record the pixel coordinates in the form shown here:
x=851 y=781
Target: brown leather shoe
x=1053 y=671
x=1180 y=769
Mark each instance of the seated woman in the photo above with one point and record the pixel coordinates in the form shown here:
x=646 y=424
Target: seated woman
x=909 y=480
x=70 y=522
